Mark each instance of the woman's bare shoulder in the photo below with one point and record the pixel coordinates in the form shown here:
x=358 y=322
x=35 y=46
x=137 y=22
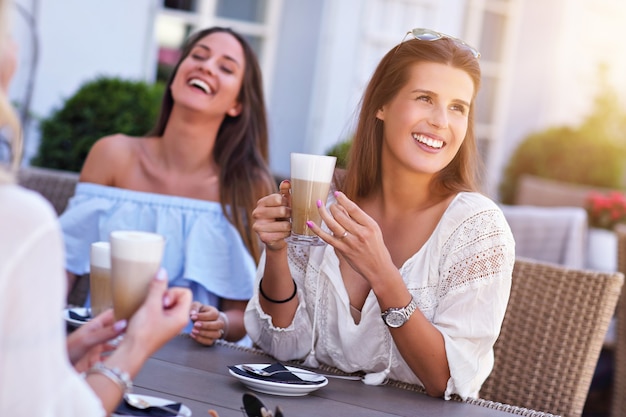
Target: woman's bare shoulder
x=109 y=156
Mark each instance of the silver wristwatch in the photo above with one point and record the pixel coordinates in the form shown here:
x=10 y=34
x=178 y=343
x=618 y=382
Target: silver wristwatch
x=396 y=317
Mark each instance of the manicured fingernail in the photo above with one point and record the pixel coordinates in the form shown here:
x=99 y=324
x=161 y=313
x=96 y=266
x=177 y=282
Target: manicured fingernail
x=161 y=275
x=120 y=325
x=336 y=193
x=319 y=203
x=309 y=223
x=166 y=301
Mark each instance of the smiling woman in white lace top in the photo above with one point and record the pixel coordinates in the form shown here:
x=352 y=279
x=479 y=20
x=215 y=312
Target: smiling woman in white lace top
x=414 y=282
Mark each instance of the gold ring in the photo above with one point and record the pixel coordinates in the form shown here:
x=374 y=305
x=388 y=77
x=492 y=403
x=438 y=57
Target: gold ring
x=343 y=236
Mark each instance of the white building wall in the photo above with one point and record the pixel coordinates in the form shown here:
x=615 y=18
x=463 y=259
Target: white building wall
x=78 y=41
x=327 y=50
x=553 y=75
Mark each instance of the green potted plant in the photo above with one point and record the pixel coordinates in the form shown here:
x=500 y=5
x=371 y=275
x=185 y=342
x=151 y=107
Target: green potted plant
x=100 y=107
x=591 y=154
x=341 y=151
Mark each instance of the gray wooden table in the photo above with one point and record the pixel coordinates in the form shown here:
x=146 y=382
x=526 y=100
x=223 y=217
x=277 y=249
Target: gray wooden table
x=198 y=376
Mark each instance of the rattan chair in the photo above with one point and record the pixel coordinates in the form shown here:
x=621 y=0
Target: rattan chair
x=55 y=185
x=551 y=337
x=618 y=407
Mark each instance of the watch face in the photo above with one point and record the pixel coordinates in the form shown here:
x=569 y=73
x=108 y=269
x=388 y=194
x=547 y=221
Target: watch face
x=395 y=319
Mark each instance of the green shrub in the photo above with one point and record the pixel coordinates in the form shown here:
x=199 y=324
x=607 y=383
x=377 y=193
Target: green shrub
x=565 y=154
x=593 y=153
x=340 y=150
x=99 y=108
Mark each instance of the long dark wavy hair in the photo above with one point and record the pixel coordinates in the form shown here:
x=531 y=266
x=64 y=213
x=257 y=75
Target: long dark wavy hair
x=241 y=146
x=363 y=174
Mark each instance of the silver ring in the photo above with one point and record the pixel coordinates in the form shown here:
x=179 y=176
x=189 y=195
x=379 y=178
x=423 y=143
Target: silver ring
x=343 y=236
x=221 y=334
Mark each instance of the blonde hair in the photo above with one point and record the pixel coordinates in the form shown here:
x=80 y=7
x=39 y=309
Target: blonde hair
x=9 y=123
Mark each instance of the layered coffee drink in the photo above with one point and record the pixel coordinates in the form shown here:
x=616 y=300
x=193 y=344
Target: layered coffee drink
x=100 y=277
x=130 y=294
x=304 y=197
x=135 y=260
x=311 y=176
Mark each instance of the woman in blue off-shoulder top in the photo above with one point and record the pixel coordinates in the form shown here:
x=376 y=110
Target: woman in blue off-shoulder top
x=195 y=179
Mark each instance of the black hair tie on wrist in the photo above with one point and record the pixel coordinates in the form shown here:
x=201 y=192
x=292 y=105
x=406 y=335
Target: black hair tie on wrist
x=271 y=300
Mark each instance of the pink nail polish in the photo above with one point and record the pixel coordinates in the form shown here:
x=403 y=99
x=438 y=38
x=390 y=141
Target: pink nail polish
x=120 y=325
x=161 y=274
x=309 y=223
x=336 y=193
x=166 y=301
x=319 y=203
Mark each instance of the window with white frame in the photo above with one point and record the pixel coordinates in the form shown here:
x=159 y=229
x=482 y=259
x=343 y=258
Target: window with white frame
x=488 y=27
x=255 y=20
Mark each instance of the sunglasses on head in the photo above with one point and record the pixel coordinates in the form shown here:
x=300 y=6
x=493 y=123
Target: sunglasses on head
x=432 y=35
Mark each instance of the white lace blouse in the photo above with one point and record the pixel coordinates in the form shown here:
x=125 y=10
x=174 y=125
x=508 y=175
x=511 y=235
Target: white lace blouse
x=460 y=279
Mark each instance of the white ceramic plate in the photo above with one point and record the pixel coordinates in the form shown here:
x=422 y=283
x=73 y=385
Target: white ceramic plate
x=281 y=388
x=184 y=410
x=78 y=310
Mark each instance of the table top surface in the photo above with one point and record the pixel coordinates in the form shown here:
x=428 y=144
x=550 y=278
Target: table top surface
x=198 y=376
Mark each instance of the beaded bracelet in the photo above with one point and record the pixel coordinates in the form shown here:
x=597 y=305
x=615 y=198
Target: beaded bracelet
x=119 y=377
x=271 y=300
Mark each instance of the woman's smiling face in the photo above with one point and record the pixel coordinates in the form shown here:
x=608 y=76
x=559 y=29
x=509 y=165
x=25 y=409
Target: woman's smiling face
x=426 y=122
x=210 y=77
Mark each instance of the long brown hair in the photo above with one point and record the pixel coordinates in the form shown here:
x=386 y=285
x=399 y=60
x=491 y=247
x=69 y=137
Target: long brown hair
x=241 y=147
x=364 y=163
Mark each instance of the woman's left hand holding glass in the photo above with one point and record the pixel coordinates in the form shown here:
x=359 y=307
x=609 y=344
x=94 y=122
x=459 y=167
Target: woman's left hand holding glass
x=355 y=235
x=87 y=344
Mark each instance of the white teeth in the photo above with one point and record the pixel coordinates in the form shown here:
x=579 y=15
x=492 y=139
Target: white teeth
x=200 y=84
x=433 y=143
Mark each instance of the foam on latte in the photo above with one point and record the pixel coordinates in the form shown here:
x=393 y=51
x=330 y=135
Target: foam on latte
x=317 y=168
x=136 y=245
x=135 y=260
x=100 y=254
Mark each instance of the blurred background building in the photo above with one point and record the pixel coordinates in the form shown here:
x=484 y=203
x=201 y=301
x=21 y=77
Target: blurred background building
x=541 y=59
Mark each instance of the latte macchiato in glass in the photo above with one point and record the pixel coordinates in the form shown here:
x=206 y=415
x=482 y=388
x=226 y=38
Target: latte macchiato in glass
x=100 y=277
x=135 y=260
x=311 y=176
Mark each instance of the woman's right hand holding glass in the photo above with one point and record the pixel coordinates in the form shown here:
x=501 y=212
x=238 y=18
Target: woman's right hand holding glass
x=272 y=218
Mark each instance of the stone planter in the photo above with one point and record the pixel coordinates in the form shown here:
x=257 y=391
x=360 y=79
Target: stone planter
x=601 y=250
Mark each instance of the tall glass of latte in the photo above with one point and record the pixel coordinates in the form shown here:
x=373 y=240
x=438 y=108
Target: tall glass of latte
x=311 y=176
x=100 y=277
x=135 y=259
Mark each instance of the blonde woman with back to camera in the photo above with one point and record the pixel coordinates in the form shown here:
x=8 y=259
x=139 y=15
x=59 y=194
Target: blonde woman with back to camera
x=40 y=368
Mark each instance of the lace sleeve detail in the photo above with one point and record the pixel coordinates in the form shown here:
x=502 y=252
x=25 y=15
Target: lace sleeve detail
x=298 y=257
x=481 y=249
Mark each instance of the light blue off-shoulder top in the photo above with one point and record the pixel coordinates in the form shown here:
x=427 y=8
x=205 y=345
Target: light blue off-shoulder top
x=203 y=250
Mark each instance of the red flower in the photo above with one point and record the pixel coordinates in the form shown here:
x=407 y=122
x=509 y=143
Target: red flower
x=606 y=210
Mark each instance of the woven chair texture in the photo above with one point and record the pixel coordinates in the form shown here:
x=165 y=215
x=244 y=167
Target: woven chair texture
x=618 y=406
x=55 y=185
x=551 y=337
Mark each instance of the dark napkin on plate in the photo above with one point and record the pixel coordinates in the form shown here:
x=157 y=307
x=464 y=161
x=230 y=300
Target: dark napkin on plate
x=282 y=377
x=125 y=409
x=79 y=317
